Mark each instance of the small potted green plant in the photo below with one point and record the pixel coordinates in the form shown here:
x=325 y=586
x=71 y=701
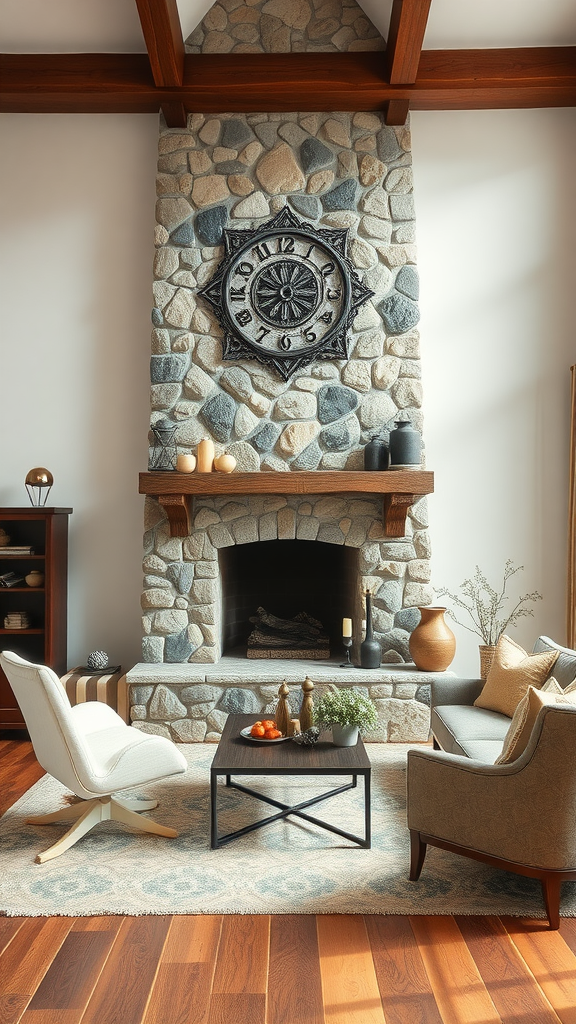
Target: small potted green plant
x=347 y=712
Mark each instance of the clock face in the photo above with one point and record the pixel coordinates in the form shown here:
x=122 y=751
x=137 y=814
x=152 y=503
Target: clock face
x=285 y=294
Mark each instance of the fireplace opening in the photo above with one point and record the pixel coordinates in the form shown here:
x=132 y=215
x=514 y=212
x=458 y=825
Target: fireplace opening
x=286 y=577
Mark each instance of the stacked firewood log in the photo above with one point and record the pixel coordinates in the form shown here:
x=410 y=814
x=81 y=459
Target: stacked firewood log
x=300 y=637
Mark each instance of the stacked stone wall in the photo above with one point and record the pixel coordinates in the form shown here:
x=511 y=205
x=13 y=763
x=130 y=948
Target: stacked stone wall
x=283 y=26
x=182 y=587
x=334 y=170
x=196 y=710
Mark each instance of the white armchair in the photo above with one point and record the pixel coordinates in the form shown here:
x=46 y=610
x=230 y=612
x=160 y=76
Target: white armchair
x=90 y=750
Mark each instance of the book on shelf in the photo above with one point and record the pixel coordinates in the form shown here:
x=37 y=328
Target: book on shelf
x=17 y=620
x=11 y=579
x=16 y=549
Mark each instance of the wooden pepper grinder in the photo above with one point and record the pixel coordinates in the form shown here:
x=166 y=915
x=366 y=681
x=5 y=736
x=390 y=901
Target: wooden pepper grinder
x=283 y=712
x=307 y=709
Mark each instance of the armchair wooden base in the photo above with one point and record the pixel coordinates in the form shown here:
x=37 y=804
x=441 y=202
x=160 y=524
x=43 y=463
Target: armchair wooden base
x=550 y=880
x=87 y=813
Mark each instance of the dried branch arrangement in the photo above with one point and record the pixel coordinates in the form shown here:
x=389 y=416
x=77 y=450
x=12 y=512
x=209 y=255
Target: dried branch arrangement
x=486 y=606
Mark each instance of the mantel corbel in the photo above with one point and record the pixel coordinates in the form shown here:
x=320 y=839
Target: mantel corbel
x=178 y=508
x=395 y=510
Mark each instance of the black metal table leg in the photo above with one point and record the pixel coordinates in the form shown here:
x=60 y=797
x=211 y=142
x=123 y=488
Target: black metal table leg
x=285 y=810
x=213 y=811
x=367 y=811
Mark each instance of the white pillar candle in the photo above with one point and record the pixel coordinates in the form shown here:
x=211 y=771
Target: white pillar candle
x=205 y=455
x=346 y=627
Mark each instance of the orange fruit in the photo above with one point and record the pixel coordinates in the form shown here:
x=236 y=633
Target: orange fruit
x=272 y=734
x=268 y=723
x=258 y=731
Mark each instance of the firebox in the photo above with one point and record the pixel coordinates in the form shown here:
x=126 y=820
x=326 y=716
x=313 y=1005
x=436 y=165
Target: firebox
x=286 y=577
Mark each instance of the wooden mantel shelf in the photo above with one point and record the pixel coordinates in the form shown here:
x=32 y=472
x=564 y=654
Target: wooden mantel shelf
x=398 y=488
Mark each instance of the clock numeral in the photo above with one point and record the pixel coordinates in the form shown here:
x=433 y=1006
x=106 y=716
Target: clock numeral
x=237 y=294
x=263 y=331
x=261 y=251
x=286 y=244
x=333 y=293
x=327 y=317
x=309 y=250
x=309 y=336
x=285 y=343
x=245 y=269
x=244 y=317
x=328 y=268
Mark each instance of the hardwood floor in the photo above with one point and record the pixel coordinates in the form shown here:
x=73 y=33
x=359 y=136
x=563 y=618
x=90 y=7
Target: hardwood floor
x=277 y=969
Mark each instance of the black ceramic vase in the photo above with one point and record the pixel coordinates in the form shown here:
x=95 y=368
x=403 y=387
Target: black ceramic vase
x=405 y=445
x=376 y=454
x=370 y=650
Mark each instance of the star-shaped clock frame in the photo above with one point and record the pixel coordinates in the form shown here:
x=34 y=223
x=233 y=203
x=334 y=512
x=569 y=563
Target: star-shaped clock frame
x=285 y=293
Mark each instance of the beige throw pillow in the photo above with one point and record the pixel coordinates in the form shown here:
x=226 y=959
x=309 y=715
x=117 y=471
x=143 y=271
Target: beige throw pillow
x=511 y=673
x=551 y=686
x=525 y=716
x=516 y=728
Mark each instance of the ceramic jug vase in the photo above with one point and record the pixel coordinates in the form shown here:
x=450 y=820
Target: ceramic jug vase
x=405 y=446
x=432 y=644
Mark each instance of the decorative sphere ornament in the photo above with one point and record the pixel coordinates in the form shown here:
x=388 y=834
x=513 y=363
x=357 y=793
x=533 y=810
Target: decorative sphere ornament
x=98 y=659
x=308 y=738
x=38 y=485
x=35 y=578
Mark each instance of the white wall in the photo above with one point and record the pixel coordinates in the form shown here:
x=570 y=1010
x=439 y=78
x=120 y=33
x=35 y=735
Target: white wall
x=496 y=223
x=77 y=215
x=496 y=234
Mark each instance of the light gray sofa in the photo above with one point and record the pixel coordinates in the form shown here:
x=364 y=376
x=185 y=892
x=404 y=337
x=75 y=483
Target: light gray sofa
x=460 y=728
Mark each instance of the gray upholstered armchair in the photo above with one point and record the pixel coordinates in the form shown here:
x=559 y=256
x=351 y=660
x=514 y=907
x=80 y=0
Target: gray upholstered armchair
x=519 y=816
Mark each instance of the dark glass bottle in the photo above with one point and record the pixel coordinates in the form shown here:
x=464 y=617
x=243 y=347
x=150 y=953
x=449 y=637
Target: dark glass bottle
x=370 y=650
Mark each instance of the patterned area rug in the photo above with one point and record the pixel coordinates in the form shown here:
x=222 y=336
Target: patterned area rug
x=286 y=867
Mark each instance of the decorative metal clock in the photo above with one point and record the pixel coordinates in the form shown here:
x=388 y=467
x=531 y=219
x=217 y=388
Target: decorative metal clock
x=285 y=293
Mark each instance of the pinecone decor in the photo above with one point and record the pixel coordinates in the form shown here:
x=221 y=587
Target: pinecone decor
x=97 y=660
x=308 y=738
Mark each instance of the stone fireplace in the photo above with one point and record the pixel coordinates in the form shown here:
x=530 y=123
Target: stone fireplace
x=198 y=601
x=213 y=555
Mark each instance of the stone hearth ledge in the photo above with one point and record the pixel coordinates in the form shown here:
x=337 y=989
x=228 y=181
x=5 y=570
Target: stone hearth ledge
x=190 y=703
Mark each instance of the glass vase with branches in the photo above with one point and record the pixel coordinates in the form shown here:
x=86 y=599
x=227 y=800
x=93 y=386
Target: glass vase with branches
x=486 y=606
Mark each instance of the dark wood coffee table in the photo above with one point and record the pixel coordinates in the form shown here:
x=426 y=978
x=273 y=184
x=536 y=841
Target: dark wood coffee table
x=238 y=756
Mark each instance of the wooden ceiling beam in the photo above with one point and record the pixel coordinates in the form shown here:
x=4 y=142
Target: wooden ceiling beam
x=163 y=37
x=165 y=45
x=408 y=22
x=405 y=38
x=496 y=79
x=446 y=80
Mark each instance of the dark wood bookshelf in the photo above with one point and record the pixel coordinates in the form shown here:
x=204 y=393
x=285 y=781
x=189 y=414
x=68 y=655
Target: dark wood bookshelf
x=21 y=590
x=45 y=642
